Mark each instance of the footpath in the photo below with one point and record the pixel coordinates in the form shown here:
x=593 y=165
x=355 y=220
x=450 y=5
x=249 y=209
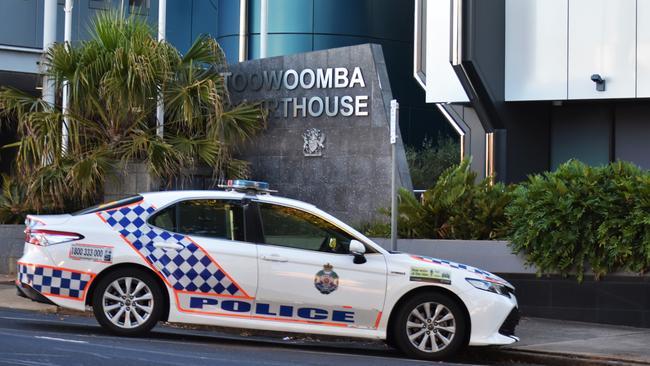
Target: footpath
x=543 y=341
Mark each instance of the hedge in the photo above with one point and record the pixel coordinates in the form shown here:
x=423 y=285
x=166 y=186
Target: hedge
x=569 y=221
x=580 y=217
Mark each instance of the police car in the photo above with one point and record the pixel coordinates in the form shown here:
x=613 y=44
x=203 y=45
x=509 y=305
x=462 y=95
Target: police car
x=246 y=258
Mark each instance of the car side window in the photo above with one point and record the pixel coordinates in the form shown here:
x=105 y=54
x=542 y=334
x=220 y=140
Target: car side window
x=210 y=218
x=290 y=227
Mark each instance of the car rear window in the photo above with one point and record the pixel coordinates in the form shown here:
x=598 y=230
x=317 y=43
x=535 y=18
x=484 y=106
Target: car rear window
x=109 y=205
x=212 y=218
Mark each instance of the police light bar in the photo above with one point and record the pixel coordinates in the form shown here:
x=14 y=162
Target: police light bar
x=246 y=185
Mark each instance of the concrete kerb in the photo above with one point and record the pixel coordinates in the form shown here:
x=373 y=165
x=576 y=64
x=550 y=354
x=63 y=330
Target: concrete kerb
x=563 y=359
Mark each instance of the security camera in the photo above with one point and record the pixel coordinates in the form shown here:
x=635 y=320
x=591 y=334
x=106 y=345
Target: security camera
x=597 y=78
x=600 y=82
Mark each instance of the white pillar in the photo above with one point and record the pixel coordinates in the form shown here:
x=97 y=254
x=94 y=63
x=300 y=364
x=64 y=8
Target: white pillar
x=49 y=37
x=243 y=30
x=264 y=28
x=67 y=38
x=394 y=125
x=162 y=28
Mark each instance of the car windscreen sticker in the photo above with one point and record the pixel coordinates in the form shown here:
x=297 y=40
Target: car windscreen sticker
x=442 y=262
x=326 y=280
x=430 y=275
x=95 y=253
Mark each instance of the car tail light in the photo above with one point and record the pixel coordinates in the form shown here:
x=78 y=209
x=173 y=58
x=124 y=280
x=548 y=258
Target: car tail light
x=49 y=237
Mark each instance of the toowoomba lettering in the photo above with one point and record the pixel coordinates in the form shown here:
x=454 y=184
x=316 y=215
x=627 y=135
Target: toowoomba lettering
x=303 y=82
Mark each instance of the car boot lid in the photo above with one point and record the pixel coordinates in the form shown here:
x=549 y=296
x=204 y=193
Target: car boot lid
x=42 y=220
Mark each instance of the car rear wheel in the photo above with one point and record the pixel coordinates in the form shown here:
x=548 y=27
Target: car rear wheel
x=128 y=302
x=430 y=326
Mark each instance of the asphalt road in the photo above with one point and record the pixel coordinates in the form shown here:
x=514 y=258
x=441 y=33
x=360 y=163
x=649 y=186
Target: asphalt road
x=31 y=338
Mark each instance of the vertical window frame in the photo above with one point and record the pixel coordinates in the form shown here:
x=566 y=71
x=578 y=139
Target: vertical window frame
x=420 y=40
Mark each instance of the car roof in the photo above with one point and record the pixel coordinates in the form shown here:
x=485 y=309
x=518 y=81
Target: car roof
x=170 y=196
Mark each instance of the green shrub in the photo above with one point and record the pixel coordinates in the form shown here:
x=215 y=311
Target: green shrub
x=115 y=78
x=428 y=162
x=375 y=229
x=580 y=217
x=455 y=208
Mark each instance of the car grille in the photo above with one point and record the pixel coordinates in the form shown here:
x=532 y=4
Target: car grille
x=508 y=291
x=509 y=325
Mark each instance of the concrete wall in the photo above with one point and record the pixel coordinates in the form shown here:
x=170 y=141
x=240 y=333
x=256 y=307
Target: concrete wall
x=12 y=239
x=490 y=255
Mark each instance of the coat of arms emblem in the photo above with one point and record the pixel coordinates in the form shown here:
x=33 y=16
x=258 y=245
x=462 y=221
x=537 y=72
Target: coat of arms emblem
x=314 y=142
x=326 y=280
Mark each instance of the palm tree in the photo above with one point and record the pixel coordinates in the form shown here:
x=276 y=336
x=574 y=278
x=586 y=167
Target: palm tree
x=115 y=78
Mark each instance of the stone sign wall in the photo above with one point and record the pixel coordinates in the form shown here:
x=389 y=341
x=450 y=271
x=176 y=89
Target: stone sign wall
x=327 y=139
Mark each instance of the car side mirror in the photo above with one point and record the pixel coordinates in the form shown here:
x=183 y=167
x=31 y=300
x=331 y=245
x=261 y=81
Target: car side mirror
x=357 y=249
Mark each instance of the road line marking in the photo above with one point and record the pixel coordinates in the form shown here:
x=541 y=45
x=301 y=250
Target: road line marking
x=45 y=320
x=60 y=339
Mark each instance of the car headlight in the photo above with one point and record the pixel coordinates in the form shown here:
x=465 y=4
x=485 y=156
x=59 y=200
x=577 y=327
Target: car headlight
x=489 y=286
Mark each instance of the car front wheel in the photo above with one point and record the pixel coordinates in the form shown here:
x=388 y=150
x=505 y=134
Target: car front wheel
x=430 y=326
x=128 y=302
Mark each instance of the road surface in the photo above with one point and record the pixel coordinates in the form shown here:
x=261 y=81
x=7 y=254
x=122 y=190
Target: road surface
x=32 y=339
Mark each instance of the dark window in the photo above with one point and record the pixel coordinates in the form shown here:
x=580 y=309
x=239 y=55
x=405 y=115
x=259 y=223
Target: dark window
x=208 y=217
x=109 y=205
x=294 y=228
x=165 y=219
x=139 y=6
x=99 y=4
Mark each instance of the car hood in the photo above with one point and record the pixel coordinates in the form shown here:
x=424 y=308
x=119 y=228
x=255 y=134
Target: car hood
x=462 y=269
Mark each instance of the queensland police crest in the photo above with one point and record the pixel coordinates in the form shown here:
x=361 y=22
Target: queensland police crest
x=326 y=280
x=314 y=142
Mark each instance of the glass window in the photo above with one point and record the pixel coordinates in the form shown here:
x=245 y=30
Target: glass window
x=139 y=6
x=209 y=218
x=293 y=228
x=165 y=219
x=99 y=4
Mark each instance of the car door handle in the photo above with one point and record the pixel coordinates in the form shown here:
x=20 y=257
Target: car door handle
x=165 y=245
x=274 y=258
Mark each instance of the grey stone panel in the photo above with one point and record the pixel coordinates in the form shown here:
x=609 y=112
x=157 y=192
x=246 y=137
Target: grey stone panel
x=352 y=177
x=134 y=178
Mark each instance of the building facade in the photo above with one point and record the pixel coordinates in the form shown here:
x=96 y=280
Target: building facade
x=294 y=26
x=530 y=84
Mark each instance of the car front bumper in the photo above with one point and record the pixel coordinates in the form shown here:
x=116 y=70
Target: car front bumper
x=493 y=317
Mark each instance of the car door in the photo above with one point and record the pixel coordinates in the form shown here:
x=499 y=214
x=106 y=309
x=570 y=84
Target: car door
x=307 y=275
x=208 y=262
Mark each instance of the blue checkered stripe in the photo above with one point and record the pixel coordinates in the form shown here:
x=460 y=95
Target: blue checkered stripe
x=458 y=266
x=187 y=269
x=51 y=281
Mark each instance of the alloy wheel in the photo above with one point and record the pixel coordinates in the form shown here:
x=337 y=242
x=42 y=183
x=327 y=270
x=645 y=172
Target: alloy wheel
x=430 y=327
x=128 y=302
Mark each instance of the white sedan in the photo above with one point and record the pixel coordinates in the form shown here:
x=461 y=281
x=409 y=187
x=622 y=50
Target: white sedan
x=245 y=258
